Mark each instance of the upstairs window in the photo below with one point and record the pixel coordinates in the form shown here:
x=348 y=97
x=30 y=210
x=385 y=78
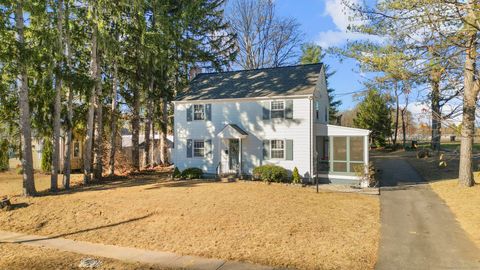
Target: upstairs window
x=278 y=149
x=198 y=112
x=278 y=109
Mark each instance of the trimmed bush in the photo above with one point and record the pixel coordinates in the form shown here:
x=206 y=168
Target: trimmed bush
x=47 y=156
x=192 y=173
x=177 y=173
x=270 y=173
x=296 y=179
x=19 y=169
x=3 y=155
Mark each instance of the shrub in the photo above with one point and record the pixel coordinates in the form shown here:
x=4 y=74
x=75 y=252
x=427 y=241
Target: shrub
x=3 y=155
x=270 y=173
x=192 y=173
x=47 y=155
x=177 y=173
x=19 y=169
x=296 y=179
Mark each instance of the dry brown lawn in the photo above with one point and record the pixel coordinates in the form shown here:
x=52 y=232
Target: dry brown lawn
x=11 y=182
x=464 y=203
x=21 y=257
x=247 y=221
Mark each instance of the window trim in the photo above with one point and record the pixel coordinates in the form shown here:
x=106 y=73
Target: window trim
x=277 y=110
x=203 y=112
x=284 y=149
x=193 y=148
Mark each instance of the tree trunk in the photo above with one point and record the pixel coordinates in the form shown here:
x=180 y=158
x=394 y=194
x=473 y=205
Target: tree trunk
x=164 y=129
x=98 y=150
x=148 y=128
x=57 y=109
x=436 y=113
x=87 y=163
x=68 y=135
x=471 y=89
x=113 y=126
x=404 y=127
x=397 y=109
x=25 y=129
x=135 y=131
x=153 y=145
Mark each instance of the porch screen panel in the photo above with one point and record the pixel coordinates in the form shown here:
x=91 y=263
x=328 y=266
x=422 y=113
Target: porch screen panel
x=339 y=152
x=356 y=148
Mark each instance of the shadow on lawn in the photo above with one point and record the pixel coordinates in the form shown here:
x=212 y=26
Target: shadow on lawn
x=113 y=182
x=160 y=179
x=183 y=183
x=84 y=230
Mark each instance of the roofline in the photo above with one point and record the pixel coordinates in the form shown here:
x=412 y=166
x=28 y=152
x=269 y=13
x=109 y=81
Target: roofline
x=349 y=128
x=242 y=99
x=265 y=68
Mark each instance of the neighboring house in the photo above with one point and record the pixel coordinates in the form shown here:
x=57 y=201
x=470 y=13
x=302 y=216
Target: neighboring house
x=76 y=155
x=127 y=147
x=232 y=122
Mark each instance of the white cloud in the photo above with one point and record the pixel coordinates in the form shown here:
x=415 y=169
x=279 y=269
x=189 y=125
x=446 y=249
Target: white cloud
x=334 y=38
x=339 y=13
x=341 y=16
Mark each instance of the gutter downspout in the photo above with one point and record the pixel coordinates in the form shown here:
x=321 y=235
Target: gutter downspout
x=310 y=98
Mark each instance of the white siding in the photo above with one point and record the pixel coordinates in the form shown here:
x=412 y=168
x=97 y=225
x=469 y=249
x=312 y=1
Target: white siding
x=247 y=114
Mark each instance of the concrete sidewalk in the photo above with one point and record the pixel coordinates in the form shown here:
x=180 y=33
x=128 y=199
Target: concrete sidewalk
x=163 y=259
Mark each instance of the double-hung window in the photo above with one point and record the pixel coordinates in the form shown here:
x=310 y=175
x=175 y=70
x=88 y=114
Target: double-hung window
x=198 y=112
x=198 y=148
x=277 y=149
x=277 y=109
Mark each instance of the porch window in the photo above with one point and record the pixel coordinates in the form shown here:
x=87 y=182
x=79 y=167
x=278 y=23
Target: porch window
x=278 y=149
x=339 y=154
x=198 y=148
x=278 y=109
x=198 y=112
x=347 y=154
x=356 y=154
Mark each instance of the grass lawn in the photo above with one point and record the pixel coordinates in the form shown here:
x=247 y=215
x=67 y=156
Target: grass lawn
x=11 y=182
x=21 y=257
x=247 y=221
x=464 y=203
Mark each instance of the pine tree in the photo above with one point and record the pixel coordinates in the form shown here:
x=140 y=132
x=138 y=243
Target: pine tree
x=312 y=54
x=373 y=114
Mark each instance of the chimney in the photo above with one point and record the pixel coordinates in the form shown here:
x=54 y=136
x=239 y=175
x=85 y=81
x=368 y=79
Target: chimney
x=194 y=71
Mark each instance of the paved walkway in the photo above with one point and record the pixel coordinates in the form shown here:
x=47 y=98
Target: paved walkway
x=163 y=259
x=418 y=230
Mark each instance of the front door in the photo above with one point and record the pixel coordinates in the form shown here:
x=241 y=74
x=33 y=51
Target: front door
x=233 y=155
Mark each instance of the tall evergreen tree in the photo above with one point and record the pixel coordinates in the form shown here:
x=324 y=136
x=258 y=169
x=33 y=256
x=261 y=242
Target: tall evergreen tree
x=312 y=54
x=373 y=114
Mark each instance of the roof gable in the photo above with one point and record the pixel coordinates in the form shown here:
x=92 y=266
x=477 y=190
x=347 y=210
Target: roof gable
x=280 y=81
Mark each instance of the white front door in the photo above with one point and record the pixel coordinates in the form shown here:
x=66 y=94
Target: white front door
x=230 y=156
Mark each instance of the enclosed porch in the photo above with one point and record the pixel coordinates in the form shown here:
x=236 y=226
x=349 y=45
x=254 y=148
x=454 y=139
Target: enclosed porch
x=341 y=153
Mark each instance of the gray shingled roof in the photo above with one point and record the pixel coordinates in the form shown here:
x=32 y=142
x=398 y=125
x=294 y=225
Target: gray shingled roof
x=281 y=81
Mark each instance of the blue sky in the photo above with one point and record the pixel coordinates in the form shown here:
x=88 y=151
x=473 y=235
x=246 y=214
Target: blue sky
x=324 y=23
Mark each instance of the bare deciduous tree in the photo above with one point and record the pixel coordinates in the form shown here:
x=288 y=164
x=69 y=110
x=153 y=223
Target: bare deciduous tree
x=263 y=38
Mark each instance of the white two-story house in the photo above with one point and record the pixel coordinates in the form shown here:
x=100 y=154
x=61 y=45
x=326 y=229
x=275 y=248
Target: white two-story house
x=232 y=122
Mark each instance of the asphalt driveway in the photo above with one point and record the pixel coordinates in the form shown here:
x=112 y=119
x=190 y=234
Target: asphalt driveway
x=418 y=230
